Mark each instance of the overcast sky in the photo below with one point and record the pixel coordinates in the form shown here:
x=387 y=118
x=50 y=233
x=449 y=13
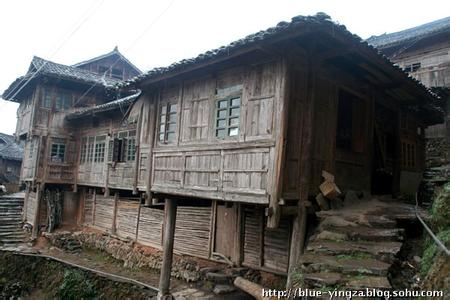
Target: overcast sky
x=157 y=33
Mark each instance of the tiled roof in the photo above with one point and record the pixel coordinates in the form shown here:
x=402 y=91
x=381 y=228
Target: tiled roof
x=40 y=66
x=9 y=149
x=411 y=34
x=122 y=102
x=114 y=52
x=320 y=20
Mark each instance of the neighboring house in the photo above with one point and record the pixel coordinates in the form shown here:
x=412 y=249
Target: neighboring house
x=10 y=161
x=424 y=52
x=236 y=138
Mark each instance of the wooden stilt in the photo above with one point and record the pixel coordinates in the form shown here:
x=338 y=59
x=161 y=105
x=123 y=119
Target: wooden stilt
x=169 y=234
x=37 y=214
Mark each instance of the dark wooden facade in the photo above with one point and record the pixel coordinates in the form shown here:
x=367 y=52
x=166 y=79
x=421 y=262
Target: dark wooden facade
x=238 y=137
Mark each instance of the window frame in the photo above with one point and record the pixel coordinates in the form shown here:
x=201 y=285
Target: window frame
x=228 y=116
x=166 y=123
x=99 y=149
x=47 y=98
x=59 y=144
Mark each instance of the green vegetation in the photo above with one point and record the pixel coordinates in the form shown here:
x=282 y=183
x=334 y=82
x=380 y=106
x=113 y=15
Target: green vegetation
x=76 y=285
x=431 y=249
x=440 y=224
x=440 y=211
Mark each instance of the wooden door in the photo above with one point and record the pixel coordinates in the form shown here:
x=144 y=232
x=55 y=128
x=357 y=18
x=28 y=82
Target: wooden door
x=226 y=228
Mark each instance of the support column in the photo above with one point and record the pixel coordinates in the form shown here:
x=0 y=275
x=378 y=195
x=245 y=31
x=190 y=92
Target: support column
x=169 y=233
x=37 y=213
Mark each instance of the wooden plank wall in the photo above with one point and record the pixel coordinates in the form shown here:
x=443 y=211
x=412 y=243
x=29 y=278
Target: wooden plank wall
x=127 y=218
x=104 y=212
x=192 y=231
x=151 y=222
x=31 y=207
x=263 y=247
x=88 y=208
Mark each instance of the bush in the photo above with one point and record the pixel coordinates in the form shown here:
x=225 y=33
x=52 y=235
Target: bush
x=440 y=211
x=431 y=249
x=76 y=285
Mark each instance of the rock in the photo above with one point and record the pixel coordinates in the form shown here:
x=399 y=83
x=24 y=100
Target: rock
x=323 y=279
x=417 y=259
x=218 y=277
x=351 y=197
x=223 y=289
x=239 y=271
x=333 y=236
x=322 y=202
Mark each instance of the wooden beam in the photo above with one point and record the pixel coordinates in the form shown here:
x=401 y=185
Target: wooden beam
x=281 y=115
x=37 y=214
x=114 y=219
x=169 y=234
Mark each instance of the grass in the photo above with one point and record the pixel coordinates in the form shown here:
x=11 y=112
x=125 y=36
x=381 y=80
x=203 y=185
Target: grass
x=431 y=249
x=76 y=285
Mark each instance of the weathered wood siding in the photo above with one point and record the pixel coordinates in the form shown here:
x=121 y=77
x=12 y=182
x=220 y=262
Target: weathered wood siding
x=263 y=247
x=88 y=209
x=127 y=218
x=104 y=212
x=192 y=231
x=199 y=164
x=31 y=207
x=151 y=222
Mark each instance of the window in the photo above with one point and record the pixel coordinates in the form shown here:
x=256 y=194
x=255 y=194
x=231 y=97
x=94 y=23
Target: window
x=408 y=154
x=58 y=150
x=350 y=126
x=46 y=101
x=227 y=117
x=122 y=147
x=31 y=152
x=167 y=123
x=63 y=101
x=99 y=155
x=117 y=73
x=110 y=149
x=131 y=146
x=412 y=67
x=90 y=150
x=83 y=150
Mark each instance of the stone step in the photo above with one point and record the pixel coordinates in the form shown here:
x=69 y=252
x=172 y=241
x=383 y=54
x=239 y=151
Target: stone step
x=384 y=251
x=320 y=279
x=11 y=233
x=345 y=264
x=6 y=203
x=11 y=240
x=361 y=233
x=364 y=282
x=331 y=218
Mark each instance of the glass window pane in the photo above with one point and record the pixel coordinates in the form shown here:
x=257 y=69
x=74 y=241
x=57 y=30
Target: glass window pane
x=234 y=121
x=172 y=117
x=222 y=113
x=163 y=109
x=170 y=136
x=236 y=101
x=162 y=128
x=233 y=131
x=172 y=127
x=173 y=108
x=161 y=136
x=222 y=104
x=163 y=119
x=235 y=111
x=221 y=133
x=221 y=123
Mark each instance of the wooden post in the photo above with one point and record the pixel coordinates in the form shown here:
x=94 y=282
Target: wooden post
x=281 y=115
x=114 y=220
x=37 y=214
x=297 y=242
x=169 y=234
x=25 y=203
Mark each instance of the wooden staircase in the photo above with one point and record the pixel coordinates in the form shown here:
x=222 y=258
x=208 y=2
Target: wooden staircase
x=11 y=233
